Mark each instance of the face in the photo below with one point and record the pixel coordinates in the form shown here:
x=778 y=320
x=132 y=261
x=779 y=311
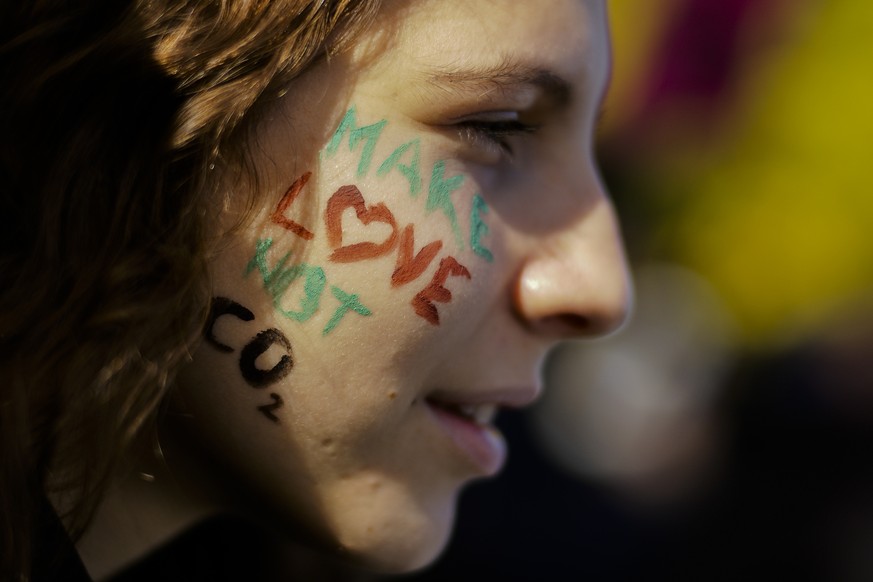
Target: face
x=433 y=223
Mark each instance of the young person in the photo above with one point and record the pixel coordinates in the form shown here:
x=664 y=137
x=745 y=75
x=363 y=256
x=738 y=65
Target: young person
x=288 y=258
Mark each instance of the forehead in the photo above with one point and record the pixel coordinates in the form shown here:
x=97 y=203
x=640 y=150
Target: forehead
x=568 y=37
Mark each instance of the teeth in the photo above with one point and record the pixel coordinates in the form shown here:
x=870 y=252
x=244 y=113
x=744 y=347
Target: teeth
x=467 y=410
x=486 y=413
x=478 y=413
x=481 y=414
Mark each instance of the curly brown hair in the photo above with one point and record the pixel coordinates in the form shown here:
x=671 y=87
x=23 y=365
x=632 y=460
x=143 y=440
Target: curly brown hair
x=113 y=116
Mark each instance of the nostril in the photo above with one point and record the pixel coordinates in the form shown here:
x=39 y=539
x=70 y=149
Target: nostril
x=574 y=324
x=566 y=324
x=574 y=321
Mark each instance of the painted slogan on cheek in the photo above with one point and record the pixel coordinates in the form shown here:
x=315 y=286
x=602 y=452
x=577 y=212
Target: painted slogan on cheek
x=278 y=278
x=350 y=197
x=423 y=301
x=259 y=345
x=410 y=264
x=254 y=375
x=287 y=200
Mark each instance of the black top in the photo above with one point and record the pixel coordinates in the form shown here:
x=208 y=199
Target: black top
x=54 y=556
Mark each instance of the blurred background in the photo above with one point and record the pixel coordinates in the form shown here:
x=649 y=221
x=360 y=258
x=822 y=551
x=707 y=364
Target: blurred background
x=727 y=432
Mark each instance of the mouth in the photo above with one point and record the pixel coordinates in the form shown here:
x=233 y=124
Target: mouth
x=479 y=414
x=466 y=418
x=471 y=434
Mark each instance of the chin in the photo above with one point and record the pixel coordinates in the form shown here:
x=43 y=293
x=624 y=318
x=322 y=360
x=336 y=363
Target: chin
x=398 y=555
x=400 y=540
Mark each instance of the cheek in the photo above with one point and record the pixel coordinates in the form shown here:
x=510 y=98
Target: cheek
x=363 y=250
x=376 y=197
x=327 y=456
x=331 y=315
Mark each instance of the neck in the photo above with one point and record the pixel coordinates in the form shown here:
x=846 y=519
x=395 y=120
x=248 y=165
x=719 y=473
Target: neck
x=139 y=514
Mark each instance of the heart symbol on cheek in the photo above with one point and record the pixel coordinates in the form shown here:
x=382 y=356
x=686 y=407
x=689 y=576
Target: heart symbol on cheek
x=350 y=197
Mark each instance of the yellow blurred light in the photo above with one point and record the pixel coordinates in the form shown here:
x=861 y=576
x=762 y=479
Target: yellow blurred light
x=781 y=218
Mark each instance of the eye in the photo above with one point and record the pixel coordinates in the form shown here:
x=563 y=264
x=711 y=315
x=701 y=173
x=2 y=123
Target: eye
x=494 y=132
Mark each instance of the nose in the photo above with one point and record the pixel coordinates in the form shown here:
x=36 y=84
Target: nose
x=575 y=281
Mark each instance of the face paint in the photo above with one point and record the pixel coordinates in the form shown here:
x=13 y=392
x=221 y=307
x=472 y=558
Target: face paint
x=409 y=268
x=254 y=376
x=411 y=171
x=439 y=197
x=348 y=302
x=370 y=133
x=478 y=228
x=409 y=265
x=278 y=279
x=223 y=306
x=268 y=410
x=440 y=188
x=423 y=301
x=287 y=200
x=350 y=197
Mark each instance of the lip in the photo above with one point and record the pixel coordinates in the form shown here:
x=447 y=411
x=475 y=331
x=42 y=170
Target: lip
x=505 y=398
x=481 y=444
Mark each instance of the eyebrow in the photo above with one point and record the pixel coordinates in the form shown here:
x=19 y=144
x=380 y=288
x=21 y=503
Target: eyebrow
x=504 y=77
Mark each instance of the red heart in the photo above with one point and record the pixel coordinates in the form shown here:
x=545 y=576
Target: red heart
x=350 y=196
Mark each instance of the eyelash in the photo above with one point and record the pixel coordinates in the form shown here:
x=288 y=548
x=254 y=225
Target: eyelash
x=488 y=134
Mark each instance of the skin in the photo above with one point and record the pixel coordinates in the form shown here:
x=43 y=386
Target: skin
x=353 y=455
